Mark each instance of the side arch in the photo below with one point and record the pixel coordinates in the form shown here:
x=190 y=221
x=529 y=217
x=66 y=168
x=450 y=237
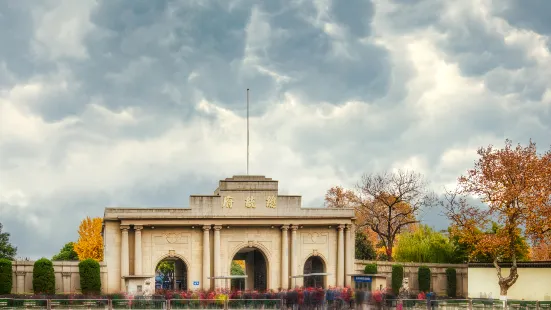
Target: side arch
x=323 y=280
x=320 y=255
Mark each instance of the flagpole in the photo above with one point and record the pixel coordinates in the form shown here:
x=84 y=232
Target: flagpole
x=247 y=131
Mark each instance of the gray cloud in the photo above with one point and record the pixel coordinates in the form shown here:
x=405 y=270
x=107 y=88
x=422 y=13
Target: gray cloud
x=137 y=103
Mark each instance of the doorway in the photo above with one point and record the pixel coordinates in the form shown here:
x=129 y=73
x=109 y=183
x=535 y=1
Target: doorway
x=251 y=262
x=314 y=264
x=171 y=274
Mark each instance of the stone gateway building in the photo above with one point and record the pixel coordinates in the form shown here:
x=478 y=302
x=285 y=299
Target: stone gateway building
x=245 y=219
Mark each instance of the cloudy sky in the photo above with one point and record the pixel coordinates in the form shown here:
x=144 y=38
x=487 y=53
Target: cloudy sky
x=142 y=103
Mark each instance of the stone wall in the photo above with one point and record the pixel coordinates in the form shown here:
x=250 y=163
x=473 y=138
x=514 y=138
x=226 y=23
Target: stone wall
x=438 y=274
x=533 y=283
x=67 y=277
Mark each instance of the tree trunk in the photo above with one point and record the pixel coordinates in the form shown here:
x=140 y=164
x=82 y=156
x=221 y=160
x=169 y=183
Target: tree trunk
x=506 y=283
x=389 y=253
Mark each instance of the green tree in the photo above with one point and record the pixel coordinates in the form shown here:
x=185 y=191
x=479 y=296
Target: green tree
x=6 y=249
x=237 y=270
x=370 y=269
x=423 y=278
x=466 y=252
x=66 y=253
x=90 y=279
x=166 y=269
x=5 y=276
x=424 y=245
x=397 y=278
x=451 y=277
x=364 y=247
x=43 y=277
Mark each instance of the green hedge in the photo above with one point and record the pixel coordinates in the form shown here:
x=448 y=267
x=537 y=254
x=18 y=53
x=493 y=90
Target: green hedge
x=424 y=278
x=5 y=276
x=397 y=278
x=370 y=269
x=451 y=287
x=43 y=277
x=90 y=279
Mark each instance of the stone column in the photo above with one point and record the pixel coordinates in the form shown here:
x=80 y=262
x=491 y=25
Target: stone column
x=124 y=256
x=216 y=254
x=66 y=278
x=20 y=284
x=206 y=257
x=294 y=254
x=138 y=250
x=349 y=253
x=340 y=256
x=284 y=257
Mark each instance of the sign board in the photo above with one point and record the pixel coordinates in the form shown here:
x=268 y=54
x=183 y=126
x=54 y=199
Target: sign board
x=364 y=279
x=196 y=283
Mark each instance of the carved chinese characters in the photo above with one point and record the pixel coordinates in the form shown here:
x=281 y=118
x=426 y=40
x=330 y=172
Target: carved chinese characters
x=228 y=202
x=271 y=202
x=250 y=203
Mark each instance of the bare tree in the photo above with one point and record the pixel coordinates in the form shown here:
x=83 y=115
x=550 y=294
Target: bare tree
x=390 y=202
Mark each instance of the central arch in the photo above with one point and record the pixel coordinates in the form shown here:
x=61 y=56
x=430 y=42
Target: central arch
x=254 y=263
x=171 y=272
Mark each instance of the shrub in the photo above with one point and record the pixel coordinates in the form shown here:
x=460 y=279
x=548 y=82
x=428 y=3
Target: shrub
x=90 y=279
x=43 y=277
x=424 y=278
x=451 y=277
x=5 y=276
x=397 y=278
x=370 y=269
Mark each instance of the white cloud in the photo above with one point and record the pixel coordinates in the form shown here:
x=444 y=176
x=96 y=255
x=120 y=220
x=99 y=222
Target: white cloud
x=61 y=26
x=144 y=125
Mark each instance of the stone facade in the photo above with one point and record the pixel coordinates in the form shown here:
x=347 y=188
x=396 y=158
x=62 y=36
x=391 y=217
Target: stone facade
x=67 y=277
x=438 y=274
x=245 y=212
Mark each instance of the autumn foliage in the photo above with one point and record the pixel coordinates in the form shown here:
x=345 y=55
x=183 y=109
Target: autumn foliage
x=513 y=184
x=90 y=241
x=541 y=251
x=385 y=204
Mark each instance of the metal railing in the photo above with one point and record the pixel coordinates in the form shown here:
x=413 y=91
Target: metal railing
x=268 y=304
x=196 y=304
x=254 y=304
x=79 y=304
x=138 y=304
x=449 y=304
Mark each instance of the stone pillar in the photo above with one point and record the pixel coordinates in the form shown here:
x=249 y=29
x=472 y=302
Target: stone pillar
x=206 y=257
x=349 y=253
x=124 y=256
x=66 y=278
x=20 y=284
x=138 y=250
x=284 y=257
x=294 y=254
x=216 y=254
x=340 y=256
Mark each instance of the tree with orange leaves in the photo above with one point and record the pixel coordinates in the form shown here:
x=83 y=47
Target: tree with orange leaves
x=514 y=185
x=338 y=197
x=90 y=241
x=386 y=203
x=389 y=203
x=541 y=251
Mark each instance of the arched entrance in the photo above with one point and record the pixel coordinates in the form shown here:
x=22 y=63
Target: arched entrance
x=171 y=274
x=314 y=264
x=252 y=262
